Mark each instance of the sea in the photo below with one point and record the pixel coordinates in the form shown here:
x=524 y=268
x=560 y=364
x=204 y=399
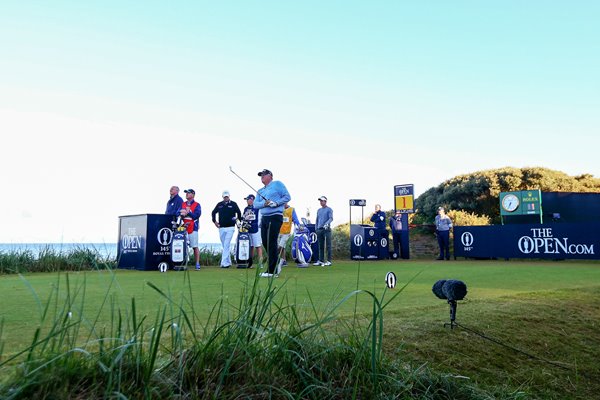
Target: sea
x=104 y=250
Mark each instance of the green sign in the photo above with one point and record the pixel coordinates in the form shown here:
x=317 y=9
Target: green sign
x=524 y=202
x=531 y=202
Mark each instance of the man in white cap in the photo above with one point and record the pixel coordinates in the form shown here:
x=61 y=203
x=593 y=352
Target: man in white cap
x=323 y=228
x=270 y=201
x=228 y=212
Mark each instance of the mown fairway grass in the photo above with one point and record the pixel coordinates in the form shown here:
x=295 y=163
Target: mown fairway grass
x=547 y=309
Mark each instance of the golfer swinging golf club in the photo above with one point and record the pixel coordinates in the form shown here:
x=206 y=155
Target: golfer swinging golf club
x=270 y=200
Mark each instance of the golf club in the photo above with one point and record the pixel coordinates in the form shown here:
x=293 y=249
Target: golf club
x=242 y=179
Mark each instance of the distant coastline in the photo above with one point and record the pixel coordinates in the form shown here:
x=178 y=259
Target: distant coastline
x=106 y=250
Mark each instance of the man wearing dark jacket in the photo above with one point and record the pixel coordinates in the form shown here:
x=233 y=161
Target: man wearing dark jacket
x=175 y=201
x=396 y=227
x=229 y=213
x=378 y=218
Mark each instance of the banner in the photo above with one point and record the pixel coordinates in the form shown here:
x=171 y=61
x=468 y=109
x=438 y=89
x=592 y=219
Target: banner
x=546 y=241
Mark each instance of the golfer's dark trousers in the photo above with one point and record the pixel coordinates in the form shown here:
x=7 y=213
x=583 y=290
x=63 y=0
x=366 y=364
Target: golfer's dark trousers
x=269 y=231
x=324 y=240
x=444 y=244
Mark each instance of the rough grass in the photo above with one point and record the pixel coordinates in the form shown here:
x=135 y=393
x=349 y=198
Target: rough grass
x=548 y=310
x=264 y=348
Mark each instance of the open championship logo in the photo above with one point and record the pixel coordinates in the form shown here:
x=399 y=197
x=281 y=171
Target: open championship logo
x=528 y=245
x=358 y=240
x=467 y=239
x=164 y=236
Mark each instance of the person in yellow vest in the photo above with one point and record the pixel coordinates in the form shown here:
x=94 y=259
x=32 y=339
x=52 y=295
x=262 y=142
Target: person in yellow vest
x=289 y=218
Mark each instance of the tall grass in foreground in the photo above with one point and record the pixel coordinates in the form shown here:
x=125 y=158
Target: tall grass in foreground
x=265 y=346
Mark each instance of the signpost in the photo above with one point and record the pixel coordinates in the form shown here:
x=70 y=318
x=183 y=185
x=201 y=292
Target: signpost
x=404 y=198
x=404 y=201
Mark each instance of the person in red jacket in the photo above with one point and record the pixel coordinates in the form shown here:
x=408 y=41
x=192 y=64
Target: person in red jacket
x=190 y=211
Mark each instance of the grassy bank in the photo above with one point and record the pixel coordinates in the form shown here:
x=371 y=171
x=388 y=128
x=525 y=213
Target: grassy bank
x=543 y=309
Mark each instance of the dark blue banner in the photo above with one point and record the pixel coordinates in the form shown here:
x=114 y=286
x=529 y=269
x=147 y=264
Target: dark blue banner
x=550 y=241
x=144 y=241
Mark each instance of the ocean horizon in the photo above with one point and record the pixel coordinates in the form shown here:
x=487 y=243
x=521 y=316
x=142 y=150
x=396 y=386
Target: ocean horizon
x=105 y=250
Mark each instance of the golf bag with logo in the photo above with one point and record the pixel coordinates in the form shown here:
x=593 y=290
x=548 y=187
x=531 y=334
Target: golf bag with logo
x=179 y=244
x=242 y=246
x=301 y=249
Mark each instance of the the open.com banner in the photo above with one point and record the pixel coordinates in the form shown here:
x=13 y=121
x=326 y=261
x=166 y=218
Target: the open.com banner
x=552 y=241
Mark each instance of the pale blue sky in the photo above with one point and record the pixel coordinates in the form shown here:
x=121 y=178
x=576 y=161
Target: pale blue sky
x=102 y=100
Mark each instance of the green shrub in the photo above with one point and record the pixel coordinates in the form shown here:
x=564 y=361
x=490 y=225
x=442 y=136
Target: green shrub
x=465 y=218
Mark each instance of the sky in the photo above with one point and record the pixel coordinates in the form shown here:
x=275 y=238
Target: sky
x=105 y=105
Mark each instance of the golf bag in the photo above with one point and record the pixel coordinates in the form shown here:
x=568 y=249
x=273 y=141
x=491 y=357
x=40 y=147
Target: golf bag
x=179 y=245
x=243 y=245
x=301 y=249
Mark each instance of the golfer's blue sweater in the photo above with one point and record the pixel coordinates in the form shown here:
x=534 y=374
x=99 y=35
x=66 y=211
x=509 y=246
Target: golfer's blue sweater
x=277 y=194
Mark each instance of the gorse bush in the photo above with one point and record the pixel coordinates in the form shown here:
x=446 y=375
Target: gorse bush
x=264 y=347
x=478 y=192
x=464 y=218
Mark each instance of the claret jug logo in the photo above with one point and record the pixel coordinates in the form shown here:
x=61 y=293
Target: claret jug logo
x=358 y=240
x=467 y=240
x=543 y=241
x=164 y=236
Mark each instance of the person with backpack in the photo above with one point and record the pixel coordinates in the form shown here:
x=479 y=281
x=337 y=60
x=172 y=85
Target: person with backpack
x=190 y=211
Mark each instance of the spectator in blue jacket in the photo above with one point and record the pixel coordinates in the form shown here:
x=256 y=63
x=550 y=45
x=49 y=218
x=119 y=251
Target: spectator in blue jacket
x=175 y=201
x=378 y=218
x=270 y=200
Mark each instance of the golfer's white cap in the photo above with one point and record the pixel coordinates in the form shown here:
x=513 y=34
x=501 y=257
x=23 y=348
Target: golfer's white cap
x=225 y=193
